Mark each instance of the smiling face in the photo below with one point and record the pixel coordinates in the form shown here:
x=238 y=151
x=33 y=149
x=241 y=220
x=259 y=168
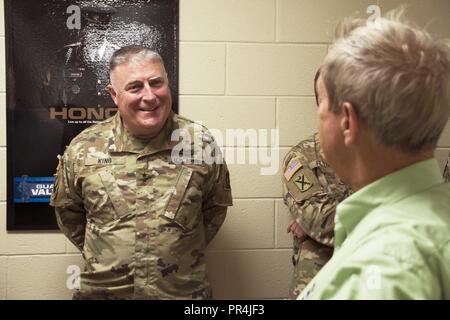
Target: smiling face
x=140 y=89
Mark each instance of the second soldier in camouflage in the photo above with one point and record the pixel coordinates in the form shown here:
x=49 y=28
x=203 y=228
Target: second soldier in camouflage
x=311 y=191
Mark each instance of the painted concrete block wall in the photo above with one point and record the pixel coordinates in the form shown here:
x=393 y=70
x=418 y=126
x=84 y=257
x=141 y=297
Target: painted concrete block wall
x=267 y=83
x=245 y=64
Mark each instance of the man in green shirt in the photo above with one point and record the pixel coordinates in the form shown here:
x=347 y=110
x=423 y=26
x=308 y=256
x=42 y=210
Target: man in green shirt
x=384 y=100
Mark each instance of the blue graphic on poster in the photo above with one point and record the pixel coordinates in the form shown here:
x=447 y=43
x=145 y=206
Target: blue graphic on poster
x=33 y=189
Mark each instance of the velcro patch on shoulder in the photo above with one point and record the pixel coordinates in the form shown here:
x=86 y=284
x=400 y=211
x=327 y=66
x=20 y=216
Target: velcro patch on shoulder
x=303 y=184
x=293 y=166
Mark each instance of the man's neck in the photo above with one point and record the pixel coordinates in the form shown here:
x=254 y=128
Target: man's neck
x=380 y=161
x=147 y=136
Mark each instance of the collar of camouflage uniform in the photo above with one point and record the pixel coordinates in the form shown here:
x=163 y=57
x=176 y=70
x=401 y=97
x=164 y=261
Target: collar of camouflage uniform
x=125 y=142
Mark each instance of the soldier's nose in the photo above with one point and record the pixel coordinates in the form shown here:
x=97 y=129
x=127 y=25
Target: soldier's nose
x=148 y=94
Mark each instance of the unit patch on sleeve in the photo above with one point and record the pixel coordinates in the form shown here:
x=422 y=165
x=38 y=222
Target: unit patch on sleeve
x=302 y=181
x=292 y=168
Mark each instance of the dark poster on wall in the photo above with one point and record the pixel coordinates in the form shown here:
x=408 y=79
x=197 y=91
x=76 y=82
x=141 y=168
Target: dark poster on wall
x=57 y=56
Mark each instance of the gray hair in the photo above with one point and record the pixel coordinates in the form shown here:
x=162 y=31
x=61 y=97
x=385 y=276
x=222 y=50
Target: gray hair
x=133 y=53
x=397 y=77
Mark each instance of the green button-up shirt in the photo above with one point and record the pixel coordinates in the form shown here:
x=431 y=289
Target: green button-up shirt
x=392 y=240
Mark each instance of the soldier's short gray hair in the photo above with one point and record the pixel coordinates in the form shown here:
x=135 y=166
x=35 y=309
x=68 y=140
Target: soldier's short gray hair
x=397 y=77
x=133 y=52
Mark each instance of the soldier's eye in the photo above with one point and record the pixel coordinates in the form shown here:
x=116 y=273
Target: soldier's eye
x=134 y=88
x=156 y=83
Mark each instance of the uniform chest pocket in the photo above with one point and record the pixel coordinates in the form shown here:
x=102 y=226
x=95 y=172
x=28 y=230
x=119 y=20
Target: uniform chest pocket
x=184 y=204
x=114 y=193
x=103 y=199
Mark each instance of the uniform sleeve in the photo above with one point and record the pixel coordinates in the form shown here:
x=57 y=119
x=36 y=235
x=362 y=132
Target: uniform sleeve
x=315 y=214
x=217 y=202
x=447 y=170
x=312 y=206
x=69 y=210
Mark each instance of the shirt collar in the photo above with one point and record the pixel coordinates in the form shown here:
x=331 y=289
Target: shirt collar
x=123 y=141
x=386 y=190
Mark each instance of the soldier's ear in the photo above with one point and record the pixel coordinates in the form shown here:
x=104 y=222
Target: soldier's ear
x=113 y=93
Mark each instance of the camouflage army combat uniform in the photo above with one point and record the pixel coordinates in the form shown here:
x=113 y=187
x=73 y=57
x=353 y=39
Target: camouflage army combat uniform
x=447 y=170
x=141 y=222
x=311 y=191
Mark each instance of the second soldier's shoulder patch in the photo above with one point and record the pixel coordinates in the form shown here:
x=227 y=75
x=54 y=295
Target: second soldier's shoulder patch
x=302 y=183
x=293 y=166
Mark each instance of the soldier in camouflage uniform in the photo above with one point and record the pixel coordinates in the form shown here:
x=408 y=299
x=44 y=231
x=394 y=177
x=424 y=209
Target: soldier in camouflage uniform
x=311 y=191
x=447 y=170
x=141 y=219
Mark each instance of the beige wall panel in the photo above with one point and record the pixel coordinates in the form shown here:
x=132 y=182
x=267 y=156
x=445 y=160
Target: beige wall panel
x=227 y=20
x=3 y=277
x=282 y=218
x=2 y=174
x=230 y=113
x=315 y=20
x=202 y=68
x=247 y=180
x=40 y=277
x=2 y=65
x=2 y=119
x=258 y=274
x=430 y=14
x=249 y=225
x=297 y=119
x=28 y=242
x=2 y=18
x=272 y=69
x=70 y=248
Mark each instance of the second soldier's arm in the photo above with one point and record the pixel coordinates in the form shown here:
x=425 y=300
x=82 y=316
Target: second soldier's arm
x=310 y=192
x=70 y=213
x=217 y=202
x=314 y=214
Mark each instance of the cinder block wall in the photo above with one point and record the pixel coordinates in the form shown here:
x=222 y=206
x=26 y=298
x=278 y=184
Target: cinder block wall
x=243 y=64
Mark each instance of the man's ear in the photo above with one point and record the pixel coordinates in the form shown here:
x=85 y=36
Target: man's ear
x=113 y=93
x=349 y=123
